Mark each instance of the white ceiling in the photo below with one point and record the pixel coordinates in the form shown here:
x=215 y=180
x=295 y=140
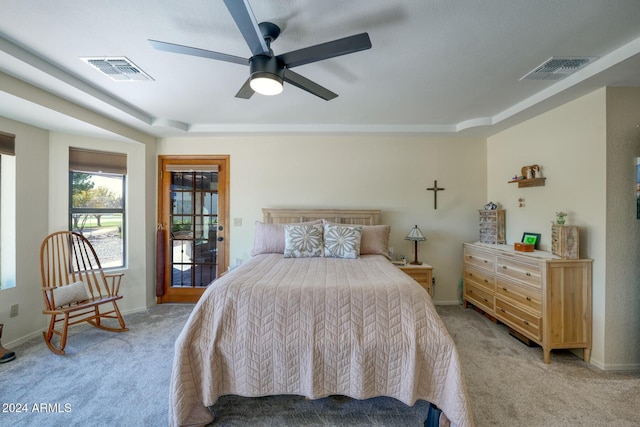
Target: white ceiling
x=436 y=66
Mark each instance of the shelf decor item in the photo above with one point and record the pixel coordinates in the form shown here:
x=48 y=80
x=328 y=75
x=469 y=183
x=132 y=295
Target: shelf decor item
x=415 y=235
x=530 y=177
x=492 y=226
x=561 y=217
x=565 y=241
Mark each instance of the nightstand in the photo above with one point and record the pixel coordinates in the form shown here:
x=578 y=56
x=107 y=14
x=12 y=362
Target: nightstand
x=422 y=274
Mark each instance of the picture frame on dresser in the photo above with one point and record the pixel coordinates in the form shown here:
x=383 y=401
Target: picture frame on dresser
x=532 y=239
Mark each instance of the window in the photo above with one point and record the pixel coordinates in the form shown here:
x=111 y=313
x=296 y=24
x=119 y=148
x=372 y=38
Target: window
x=97 y=182
x=7 y=211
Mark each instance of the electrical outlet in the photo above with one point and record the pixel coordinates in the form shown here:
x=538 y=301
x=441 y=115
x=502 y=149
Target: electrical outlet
x=14 y=310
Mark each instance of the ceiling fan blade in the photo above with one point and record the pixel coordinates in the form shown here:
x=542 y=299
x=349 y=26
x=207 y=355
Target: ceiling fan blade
x=246 y=22
x=245 y=91
x=326 y=50
x=307 y=85
x=194 y=51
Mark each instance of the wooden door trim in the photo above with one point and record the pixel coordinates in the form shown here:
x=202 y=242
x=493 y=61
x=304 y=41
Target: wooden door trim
x=192 y=294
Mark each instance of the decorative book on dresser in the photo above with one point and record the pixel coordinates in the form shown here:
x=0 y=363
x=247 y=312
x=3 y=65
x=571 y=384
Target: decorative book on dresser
x=537 y=294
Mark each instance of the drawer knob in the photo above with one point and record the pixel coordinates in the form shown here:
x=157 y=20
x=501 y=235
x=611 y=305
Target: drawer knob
x=485 y=261
x=486 y=281
x=502 y=310
x=505 y=289
x=528 y=274
x=504 y=266
x=526 y=323
x=528 y=299
x=486 y=300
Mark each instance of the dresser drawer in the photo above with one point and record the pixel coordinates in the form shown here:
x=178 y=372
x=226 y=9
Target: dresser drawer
x=527 y=273
x=479 y=277
x=479 y=297
x=520 y=294
x=478 y=258
x=518 y=319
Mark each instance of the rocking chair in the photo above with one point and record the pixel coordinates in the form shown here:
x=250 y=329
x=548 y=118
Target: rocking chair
x=75 y=288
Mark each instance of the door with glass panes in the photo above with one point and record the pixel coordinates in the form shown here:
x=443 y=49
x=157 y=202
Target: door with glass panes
x=193 y=221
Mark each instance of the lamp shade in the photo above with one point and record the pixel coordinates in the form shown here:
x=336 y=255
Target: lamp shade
x=415 y=235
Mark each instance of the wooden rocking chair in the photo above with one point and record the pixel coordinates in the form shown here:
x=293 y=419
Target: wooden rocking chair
x=75 y=287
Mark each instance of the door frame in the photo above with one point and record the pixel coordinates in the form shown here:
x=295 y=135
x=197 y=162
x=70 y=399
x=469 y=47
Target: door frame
x=191 y=295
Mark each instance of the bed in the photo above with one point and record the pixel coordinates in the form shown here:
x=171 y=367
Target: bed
x=286 y=322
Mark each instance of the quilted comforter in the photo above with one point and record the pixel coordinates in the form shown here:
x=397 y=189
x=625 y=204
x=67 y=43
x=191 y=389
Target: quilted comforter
x=315 y=327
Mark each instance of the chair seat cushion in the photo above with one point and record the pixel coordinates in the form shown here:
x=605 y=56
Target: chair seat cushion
x=68 y=294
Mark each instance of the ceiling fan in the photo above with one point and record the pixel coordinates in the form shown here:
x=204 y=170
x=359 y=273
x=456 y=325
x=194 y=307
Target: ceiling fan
x=268 y=71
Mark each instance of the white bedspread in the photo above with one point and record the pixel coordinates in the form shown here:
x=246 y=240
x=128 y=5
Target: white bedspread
x=315 y=327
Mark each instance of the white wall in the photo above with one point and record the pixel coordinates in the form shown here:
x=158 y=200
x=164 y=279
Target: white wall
x=390 y=173
x=622 y=317
x=32 y=198
x=590 y=174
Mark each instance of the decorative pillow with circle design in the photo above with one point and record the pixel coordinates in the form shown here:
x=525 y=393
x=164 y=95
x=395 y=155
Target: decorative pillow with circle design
x=302 y=241
x=342 y=241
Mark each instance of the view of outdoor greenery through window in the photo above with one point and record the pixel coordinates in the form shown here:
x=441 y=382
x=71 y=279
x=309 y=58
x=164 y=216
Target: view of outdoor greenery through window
x=97 y=211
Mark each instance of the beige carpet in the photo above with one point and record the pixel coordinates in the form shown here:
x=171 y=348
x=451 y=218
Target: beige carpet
x=123 y=380
x=510 y=385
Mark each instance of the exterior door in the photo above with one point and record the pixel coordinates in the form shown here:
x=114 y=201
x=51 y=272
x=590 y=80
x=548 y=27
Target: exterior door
x=193 y=212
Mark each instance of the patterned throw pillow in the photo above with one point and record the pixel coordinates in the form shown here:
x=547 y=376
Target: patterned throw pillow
x=302 y=241
x=342 y=241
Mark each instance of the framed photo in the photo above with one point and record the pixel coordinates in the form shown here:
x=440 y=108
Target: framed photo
x=531 y=238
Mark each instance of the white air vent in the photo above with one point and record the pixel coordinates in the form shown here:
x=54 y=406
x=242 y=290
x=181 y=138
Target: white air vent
x=556 y=68
x=118 y=68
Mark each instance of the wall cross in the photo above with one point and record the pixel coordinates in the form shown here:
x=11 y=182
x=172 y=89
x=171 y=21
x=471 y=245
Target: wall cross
x=435 y=190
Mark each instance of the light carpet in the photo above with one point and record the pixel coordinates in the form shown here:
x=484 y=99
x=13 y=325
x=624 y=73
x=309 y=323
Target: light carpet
x=109 y=379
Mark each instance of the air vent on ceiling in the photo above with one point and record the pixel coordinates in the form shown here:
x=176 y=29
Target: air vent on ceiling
x=120 y=69
x=556 y=68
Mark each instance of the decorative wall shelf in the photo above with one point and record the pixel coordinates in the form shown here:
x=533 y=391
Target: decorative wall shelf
x=533 y=182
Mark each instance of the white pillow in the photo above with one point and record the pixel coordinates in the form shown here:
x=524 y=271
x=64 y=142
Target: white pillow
x=302 y=241
x=342 y=241
x=68 y=294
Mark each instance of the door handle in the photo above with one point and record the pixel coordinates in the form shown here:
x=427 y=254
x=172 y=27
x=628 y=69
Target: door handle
x=220 y=239
x=220 y=228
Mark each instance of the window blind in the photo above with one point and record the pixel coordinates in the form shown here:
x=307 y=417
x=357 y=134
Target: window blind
x=7 y=143
x=176 y=167
x=83 y=160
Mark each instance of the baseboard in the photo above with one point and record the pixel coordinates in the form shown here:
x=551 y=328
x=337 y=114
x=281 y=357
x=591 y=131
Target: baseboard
x=621 y=367
x=19 y=341
x=456 y=302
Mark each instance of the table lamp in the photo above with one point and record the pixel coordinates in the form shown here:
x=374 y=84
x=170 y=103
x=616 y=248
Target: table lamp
x=416 y=236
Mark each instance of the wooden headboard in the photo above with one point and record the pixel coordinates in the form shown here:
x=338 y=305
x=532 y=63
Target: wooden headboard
x=341 y=216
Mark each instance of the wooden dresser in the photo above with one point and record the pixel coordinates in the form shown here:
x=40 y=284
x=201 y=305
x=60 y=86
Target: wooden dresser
x=539 y=295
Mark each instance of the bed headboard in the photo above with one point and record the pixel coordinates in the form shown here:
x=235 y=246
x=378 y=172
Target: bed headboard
x=341 y=216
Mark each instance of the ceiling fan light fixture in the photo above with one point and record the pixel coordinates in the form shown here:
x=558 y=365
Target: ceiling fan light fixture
x=267 y=75
x=266 y=83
